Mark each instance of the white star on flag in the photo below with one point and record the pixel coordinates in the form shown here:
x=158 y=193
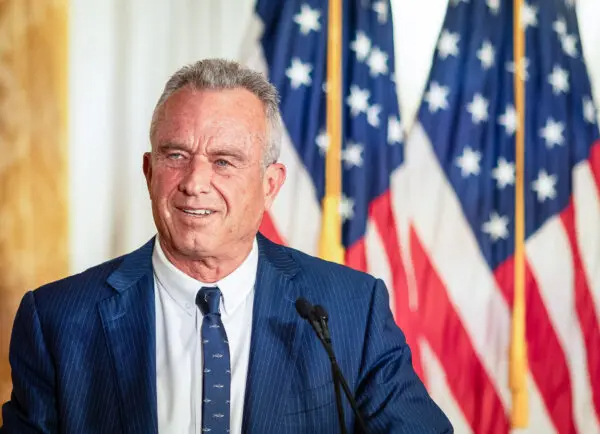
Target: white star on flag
x=395 y=131
x=373 y=115
x=381 y=9
x=299 y=73
x=528 y=16
x=493 y=5
x=521 y=68
x=559 y=80
x=308 y=19
x=589 y=111
x=352 y=155
x=322 y=141
x=346 y=208
x=560 y=26
x=544 y=186
x=358 y=100
x=377 y=62
x=569 y=45
x=509 y=120
x=496 y=227
x=468 y=162
x=504 y=173
x=361 y=46
x=486 y=55
x=478 y=108
x=448 y=44
x=437 y=97
x=552 y=133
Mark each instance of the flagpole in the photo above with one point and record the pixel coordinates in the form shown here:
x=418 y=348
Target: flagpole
x=518 y=349
x=330 y=243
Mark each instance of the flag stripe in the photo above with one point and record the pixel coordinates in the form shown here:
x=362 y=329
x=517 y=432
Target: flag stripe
x=440 y=390
x=551 y=272
x=586 y=313
x=587 y=215
x=355 y=256
x=594 y=161
x=552 y=379
x=267 y=228
x=445 y=333
x=386 y=224
x=378 y=263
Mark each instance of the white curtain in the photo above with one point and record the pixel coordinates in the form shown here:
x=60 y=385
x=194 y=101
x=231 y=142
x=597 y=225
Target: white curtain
x=121 y=54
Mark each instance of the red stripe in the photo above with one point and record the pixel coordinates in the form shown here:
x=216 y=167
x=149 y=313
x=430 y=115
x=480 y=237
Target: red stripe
x=546 y=358
x=380 y=211
x=441 y=325
x=584 y=306
x=594 y=161
x=356 y=256
x=268 y=229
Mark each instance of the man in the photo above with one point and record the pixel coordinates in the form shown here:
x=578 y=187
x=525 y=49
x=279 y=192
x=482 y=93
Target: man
x=197 y=331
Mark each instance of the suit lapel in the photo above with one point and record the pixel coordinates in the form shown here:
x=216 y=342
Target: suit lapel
x=129 y=325
x=277 y=333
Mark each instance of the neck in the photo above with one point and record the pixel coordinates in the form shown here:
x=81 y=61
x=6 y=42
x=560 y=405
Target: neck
x=208 y=269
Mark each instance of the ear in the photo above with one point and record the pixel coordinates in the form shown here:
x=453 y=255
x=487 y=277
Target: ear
x=147 y=167
x=272 y=181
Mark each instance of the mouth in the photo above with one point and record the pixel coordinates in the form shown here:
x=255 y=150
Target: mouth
x=197 y=212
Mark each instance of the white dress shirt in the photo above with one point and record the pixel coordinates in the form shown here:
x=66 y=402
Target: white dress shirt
x=178 y=348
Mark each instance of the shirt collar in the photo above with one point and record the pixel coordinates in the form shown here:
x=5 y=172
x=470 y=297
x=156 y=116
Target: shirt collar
x=183 y=288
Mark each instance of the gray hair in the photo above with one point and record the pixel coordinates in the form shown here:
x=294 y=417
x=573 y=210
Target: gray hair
x=226 y=74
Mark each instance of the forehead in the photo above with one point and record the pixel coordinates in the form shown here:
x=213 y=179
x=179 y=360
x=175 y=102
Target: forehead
x=190 y=113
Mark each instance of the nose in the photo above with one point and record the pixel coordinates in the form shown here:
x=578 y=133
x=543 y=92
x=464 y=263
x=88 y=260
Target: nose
x=197 y=178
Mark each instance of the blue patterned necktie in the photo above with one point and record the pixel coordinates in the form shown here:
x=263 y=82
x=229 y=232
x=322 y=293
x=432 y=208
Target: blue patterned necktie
x=216 y=380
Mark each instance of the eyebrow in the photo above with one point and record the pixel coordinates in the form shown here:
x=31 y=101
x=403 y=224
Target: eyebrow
x=172 y=146
x=227 y=151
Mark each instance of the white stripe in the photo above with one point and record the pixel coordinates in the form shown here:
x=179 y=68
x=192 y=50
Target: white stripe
x=438 y=389
x=539 y=420
x=296 y=212
x=377 y=261
x=399 y=190
x=437 y=217
x=587 y=223
x=551 y=262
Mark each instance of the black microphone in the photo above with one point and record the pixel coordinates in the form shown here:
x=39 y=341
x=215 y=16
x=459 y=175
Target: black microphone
x=318 y=317
x=306 y=311
x=323 y=317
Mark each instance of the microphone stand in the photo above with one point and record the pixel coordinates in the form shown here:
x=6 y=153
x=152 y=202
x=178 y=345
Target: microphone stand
x=317 y=318
x=338 y=377
x=323 y=334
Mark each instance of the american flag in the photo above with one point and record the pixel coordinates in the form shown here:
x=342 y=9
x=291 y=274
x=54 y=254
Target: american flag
x=434 y=215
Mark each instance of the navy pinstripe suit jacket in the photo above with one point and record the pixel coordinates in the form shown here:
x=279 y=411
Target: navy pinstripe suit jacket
x=83 y=353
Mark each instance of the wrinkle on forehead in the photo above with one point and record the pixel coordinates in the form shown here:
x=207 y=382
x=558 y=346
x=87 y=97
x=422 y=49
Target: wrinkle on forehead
x=216 y=116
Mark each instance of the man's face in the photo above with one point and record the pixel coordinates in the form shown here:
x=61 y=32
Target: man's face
x=208 y=186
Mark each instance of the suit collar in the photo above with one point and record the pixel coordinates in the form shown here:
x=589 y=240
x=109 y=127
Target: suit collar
x=134 y=266
x=277 y=332
x=278 y=256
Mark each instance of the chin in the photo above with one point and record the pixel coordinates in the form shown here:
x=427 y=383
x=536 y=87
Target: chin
x=193 y=248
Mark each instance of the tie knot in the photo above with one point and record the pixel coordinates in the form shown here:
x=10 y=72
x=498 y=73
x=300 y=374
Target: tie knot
x=208 y=299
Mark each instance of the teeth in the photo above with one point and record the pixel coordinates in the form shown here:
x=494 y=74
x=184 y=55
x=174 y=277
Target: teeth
x=198 y=211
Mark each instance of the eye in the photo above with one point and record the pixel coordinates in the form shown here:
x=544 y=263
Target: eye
x=175 y=156
x=222 y=163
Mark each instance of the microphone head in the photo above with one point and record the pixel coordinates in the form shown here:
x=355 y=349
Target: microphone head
x=304 y=308
x=320 y=312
